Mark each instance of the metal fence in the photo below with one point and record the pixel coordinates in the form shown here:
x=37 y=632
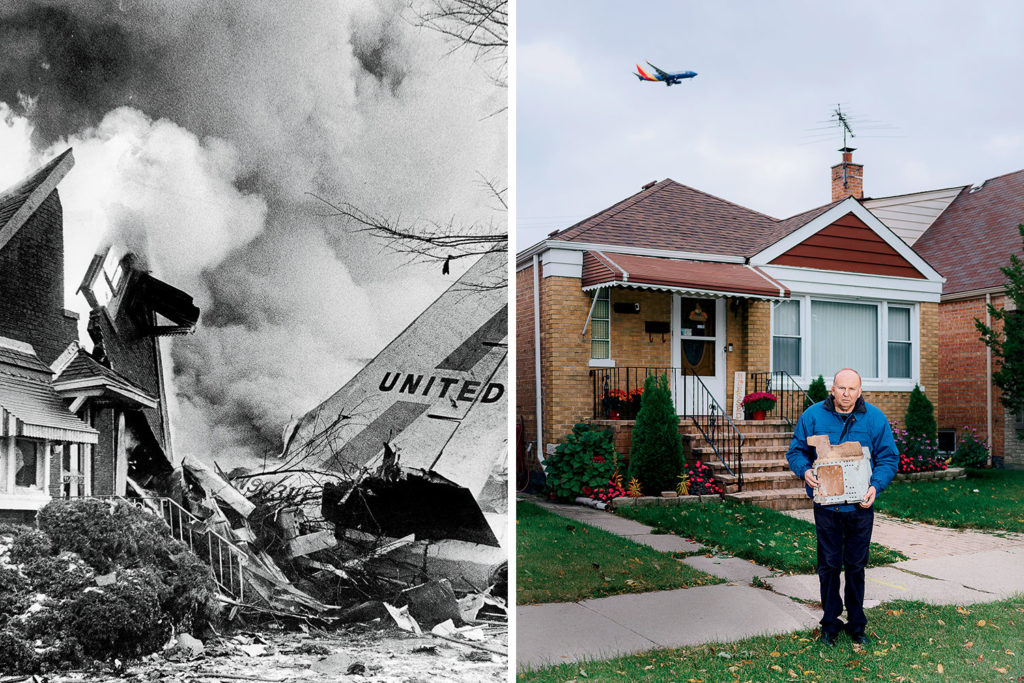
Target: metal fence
x=617 y=392
x=792 y=399
x=224 y=557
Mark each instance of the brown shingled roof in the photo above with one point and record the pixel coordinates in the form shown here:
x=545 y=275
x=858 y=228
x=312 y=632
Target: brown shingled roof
x=976 y=234
x=674 y=217
x=85 y=367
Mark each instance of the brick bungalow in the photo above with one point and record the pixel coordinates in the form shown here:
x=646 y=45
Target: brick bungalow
x=678 y=280
x=968 y=241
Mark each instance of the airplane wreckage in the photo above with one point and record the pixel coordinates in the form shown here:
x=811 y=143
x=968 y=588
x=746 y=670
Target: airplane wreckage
x=391 y=494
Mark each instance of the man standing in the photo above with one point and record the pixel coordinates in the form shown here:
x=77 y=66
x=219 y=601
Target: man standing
x=844 y=531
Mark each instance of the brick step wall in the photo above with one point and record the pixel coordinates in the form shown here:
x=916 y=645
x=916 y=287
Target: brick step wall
x=777 y=499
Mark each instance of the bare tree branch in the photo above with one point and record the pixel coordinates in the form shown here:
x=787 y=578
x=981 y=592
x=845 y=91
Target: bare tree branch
x=480 y=25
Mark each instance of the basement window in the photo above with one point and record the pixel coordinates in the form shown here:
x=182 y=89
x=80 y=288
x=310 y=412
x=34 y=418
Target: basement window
x=947 y=440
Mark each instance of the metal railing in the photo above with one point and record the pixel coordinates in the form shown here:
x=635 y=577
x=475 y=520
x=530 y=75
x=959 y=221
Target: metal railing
x=224 y=557
x=692 y=399
x=793 y=400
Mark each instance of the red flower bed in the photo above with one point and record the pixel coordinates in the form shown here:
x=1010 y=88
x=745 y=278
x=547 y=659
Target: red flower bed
x=701 y=481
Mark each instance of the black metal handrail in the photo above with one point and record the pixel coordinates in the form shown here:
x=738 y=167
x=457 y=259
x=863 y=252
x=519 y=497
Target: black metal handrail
x=692 y=399
x=793 y=400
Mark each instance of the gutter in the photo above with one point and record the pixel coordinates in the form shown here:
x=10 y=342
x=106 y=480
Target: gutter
x=539 y=388
x=988 y=377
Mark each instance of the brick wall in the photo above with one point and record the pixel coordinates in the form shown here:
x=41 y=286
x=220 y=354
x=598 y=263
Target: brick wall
x=32 y=283
x=526 y=347
x=1013 y=447
x=962 y=374
x=103 y=455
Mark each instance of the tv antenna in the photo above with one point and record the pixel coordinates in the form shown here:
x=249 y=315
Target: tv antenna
x=844 y=122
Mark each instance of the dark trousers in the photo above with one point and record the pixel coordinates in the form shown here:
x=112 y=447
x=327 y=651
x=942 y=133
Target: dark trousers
x=843 y=540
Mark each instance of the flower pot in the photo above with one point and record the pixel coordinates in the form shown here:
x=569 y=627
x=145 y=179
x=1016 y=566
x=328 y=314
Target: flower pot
x=614 y=415
x=758 y=415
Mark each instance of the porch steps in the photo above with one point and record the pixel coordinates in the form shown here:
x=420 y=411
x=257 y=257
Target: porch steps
x=767 y=479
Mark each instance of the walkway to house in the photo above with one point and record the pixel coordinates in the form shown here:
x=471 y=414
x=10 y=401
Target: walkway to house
x=947 y=567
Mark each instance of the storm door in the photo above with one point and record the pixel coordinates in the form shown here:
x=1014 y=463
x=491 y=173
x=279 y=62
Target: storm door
x=699 y=349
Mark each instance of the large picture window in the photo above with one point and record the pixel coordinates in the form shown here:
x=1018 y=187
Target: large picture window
x=600 y=326
x=812 y=336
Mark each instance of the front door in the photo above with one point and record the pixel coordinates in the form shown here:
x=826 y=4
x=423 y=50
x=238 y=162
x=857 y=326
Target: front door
x=698 y=349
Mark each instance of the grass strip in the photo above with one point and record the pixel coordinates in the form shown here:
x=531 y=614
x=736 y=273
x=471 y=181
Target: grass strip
x=986 y=499
x=910 y=641
x=764 y=536
x=562 y=560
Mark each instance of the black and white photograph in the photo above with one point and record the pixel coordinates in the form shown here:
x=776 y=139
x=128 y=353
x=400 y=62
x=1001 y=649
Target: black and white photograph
x=254 y=387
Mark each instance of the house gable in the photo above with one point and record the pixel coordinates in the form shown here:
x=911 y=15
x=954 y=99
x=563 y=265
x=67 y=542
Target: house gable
x=848 y=244
x=847 y=238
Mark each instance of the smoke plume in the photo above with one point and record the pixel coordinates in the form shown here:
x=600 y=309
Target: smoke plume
x=201 y=132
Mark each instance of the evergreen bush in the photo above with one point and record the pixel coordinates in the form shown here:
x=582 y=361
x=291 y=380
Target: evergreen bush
x=586 y=459
x=656 y=457
x=920 y=418
x=816 y=392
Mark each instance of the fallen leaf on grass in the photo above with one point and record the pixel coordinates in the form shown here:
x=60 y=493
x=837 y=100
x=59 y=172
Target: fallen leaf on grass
x=961 y=610
x=775 y=654
x=1000 y=669
x=969 y=644
x=776 y=667
x=939 y=668
x=981 y=622
x=941 y=622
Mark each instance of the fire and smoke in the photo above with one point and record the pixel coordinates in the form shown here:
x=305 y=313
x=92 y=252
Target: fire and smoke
x=200 y=132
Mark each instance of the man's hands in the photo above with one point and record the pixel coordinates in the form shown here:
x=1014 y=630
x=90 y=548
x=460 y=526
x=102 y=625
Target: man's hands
x=869 y=497
x=811 y=480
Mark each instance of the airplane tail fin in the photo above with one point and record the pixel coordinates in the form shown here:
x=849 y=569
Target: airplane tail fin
x=643 y=75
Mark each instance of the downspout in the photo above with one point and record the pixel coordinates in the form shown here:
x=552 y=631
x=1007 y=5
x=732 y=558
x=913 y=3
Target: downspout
x=988 y=377
x=536 y=360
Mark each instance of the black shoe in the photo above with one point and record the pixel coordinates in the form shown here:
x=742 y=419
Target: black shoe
x=828 y=638
x=859 y=638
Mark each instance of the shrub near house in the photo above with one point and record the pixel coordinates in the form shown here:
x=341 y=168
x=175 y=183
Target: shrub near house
x=585 y=460
x=656 y=456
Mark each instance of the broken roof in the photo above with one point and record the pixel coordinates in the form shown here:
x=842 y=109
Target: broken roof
x=976 y=234
x=19 y=202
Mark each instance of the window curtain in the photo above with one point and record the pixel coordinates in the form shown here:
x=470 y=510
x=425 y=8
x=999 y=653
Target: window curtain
x=899 y=342
x=786 y=338
x=845 y=336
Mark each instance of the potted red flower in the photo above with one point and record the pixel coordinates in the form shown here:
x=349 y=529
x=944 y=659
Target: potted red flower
x=756 y=404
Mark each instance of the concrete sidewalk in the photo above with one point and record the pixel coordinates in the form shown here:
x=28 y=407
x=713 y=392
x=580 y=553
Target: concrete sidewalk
x=947 y=567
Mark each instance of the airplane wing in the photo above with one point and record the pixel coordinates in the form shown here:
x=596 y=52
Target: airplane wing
x=661 y=73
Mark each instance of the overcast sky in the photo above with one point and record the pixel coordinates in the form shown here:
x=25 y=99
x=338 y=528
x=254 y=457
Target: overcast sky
x=942 y=77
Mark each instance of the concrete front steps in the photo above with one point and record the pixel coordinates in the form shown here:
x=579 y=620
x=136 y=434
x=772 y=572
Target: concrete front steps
x=767 y=479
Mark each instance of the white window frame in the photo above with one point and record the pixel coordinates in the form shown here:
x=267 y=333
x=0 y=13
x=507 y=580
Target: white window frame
x=14 y=497
x=601 y=362
x=880 y=383
x=800 y=336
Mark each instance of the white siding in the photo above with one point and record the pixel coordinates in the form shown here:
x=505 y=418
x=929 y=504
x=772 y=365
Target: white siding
x=909 y=215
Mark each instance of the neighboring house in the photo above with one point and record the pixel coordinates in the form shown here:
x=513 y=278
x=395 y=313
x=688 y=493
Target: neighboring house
x=967 y=243
x=40 y=439
x=678 y=280
x=72 y=423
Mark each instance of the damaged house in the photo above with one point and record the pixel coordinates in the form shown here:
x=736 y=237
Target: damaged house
x=74 y=423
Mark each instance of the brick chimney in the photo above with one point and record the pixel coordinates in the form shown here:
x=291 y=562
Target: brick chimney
x=847 y=177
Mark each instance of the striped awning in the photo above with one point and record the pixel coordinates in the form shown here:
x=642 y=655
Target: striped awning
x=692 y=278
x=30 y=407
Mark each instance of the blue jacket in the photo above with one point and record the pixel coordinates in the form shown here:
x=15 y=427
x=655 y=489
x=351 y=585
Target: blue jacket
x=867 y=425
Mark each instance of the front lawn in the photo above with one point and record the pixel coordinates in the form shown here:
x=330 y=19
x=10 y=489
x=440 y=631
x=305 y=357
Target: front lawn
x=911 y=641
x=986 y=499
x=562 y=560
x=758 y=534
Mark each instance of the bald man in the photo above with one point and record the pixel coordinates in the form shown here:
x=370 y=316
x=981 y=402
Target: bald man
x=844 y=531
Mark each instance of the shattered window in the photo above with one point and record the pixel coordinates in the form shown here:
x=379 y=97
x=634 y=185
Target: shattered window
x=26 y=462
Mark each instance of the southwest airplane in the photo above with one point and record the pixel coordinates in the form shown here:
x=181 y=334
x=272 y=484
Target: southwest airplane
x=659 y=75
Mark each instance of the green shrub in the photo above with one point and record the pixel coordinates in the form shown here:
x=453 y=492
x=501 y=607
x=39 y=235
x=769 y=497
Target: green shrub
x=920 y=419
x=971 y=451
x=656 y=457
x=29 y=545
x=16 y=654
x=15 y=592
x=123 y=619
x=59 y=576
x=586 y=459
x=816 y=392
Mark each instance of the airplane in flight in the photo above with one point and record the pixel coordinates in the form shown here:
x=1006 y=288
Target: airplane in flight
x=663 y=76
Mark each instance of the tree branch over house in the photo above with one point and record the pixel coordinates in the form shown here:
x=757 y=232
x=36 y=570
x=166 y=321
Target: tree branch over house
x=480 y=25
